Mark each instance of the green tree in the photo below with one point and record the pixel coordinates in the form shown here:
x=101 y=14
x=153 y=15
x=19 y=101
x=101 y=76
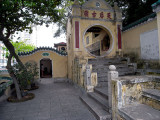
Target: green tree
x=18 y=15
x=133 y=10
x=20 y=46
x=65 y=12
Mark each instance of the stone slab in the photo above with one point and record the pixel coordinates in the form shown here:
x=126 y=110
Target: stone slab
x=96 y=109
x=139 y=112
x=53 y=101
x=152 y=93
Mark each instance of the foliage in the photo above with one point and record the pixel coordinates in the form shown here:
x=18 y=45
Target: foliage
x=133 y=10
x=154 y=65
x=26 y=77
x=140 y=64
x=21 y=46
x=18 y=15
x=65 y=12
x=32 y=67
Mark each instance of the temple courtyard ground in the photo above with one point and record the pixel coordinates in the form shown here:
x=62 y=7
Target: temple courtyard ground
x=53 y=101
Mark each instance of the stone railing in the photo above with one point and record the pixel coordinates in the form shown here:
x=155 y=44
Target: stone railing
x=83 y=75
x=90 y=78
x=127 y=90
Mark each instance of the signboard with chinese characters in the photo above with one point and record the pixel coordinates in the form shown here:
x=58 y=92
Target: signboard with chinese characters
x=97 y=14
x=45 y=54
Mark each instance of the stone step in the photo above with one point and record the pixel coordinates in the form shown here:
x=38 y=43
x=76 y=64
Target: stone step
x=118 y=65
x=100 y=100
x=151 y=96
x=102 y=79
x=94 y=61
x=95 y=108
x=102 y=74
x=103 y=91
x=123 y=73
x=102 y=84
x=105 y=70
x=139 y=112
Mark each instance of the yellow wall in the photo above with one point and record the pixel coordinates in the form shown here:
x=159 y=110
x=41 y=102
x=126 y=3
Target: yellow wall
x=109 y=24
x=131 y=37
x=59 y=62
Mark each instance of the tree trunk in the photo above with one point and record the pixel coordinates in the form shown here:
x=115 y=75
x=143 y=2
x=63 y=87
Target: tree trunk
x=11 y=49
x=11 y=73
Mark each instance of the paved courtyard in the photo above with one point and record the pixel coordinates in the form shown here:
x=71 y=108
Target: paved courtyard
x=53 y=101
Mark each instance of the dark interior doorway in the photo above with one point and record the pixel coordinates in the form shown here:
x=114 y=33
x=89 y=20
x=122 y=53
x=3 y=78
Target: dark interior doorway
x=46 y=68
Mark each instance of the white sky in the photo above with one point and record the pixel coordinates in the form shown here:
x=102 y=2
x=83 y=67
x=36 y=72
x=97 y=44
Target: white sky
x=43 y=36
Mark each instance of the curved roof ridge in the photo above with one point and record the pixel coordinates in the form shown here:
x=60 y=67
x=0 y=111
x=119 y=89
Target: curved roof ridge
x=42 y=48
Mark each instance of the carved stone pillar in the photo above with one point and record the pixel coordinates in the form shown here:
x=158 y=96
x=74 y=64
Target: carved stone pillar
x=112 y=74
x=88 y=83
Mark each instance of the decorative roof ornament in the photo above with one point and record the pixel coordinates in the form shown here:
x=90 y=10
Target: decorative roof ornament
x=62 y=53
x=76 y=2
x=116 y=6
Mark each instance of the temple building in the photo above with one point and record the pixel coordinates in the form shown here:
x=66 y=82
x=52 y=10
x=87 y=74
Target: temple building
x=96 y=41
x=61 y=46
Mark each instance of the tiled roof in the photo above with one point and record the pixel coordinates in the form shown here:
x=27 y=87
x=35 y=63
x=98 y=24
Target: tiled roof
x=156 y=4
x=60 y=44
x=42 y=48
x=142 y=20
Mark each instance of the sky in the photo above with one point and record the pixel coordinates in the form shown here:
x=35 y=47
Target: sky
x=43 y=36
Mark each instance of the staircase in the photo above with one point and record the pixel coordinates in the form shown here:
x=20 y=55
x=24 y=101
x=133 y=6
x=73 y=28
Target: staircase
x=97 y=101
x=101 y=66
x=148 y=110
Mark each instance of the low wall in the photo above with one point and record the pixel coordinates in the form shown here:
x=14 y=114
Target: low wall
x=127 y=91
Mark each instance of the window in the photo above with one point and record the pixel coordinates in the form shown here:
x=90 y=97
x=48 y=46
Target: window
x=63 y=48
x=87 y=40
x=1 y=61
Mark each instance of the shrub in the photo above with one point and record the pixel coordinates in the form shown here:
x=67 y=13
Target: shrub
x=26 y=76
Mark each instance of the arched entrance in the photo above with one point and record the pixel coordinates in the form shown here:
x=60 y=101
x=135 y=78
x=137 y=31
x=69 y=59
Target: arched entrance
x=98 y=40
x=45 y=68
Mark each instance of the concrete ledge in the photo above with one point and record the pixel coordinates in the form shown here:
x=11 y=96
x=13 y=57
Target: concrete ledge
x=58 y=80
x=138 y=79
x=139 y=112
x=152 y=93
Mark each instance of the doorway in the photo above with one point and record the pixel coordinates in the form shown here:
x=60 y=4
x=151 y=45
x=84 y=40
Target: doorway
x=45 y=68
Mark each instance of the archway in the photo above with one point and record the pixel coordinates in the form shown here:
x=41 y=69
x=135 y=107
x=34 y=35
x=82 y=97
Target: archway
x=98 y=41
x=45 y=68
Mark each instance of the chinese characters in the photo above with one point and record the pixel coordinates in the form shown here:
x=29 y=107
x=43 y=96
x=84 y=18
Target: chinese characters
x=94 y=14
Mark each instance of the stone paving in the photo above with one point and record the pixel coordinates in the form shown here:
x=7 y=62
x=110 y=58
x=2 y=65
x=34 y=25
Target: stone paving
x=53 y=101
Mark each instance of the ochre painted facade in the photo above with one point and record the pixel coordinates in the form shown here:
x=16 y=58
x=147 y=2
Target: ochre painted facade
x=93 y=13
x=59 y=63
x=131 y=37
